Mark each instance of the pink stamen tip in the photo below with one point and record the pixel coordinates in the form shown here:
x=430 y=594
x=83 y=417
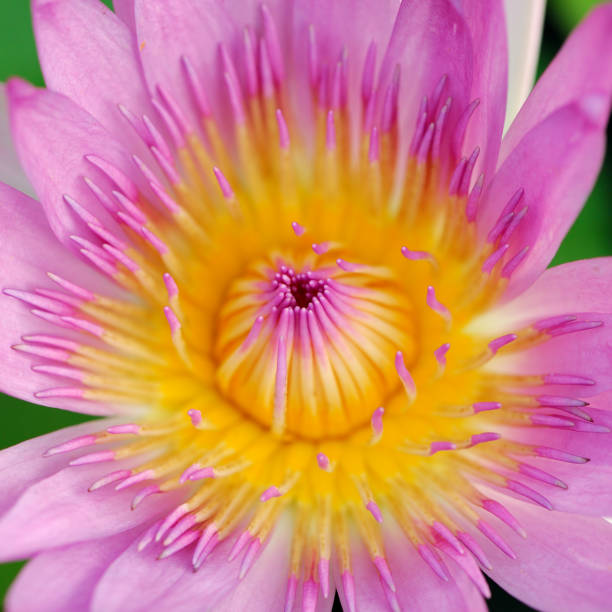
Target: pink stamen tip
x=487 y=436
x=552 y=322
x=496 y=538
x=417 y=255
x=559 y=455
x=269 y=493
x=98 y=457
x=249 y=557
x=71 y=445
x=182 y=542
x=78 y=291
x=142 y=495
x=206 y=472
x=568 y=379
x=310 y=593
x=157 y=243
x=321 y=248
x=195 y=86
x=471 y=208
x=283 y=130
x=253 y=333
x=348 y=586
x=485 y=406
x=436 y=447
x=377 y=421
x=205 y=545
x=195 y=416
x=62 y=371
x=173 y=322
x=171 y=286
x=128 y=428
x=529 y=493
x=549 y=420
x=509 y=269
x=470 y=543
x=494 y=258
x=323 y=461
x=537 y=474
x=433 y=561
x=374 y=149
x=194 y=467
x=72 y=392
x=404 y=375
x=135 y=479
x=297 y=228
x=148 y=537
x=290 y=593
x=348 y=266
x=109 y=479
x=330 y=132
x=556 y=401
x=384 y=571
x=324 y=576
x=369 y=67
x=174 y=516
x=374 y=510
x=498 y=343
x=273 y=44
x=576 y=326
x=444 y=532
x=440 y=354
x=224 y=185
x=435 y=305
x=239 y=545
x=88 y=326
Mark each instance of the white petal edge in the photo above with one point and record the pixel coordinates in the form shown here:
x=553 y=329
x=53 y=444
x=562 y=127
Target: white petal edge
x=11 y=172
x=524 y=20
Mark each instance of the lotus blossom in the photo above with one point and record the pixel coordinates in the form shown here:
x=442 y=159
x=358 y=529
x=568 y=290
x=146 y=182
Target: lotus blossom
x=282 y=249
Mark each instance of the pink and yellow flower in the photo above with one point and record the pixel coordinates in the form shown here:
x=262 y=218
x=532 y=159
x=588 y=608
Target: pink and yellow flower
x=283 y=249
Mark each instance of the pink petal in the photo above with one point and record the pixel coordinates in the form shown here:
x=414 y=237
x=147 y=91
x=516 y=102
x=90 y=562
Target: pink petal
x=585 y=354
x=578 y=286
x=53 y=136
x=556 y=163
x=175 y=28
x=582 y=66
x=23 y=464
x=29 y=250
x=488 y=30
x=418 y=587
x=59 y=510
x=87 y=53
x=172 y=584
x=11 y=171
x=64 y=579
x=563 y=564
x=429 y=40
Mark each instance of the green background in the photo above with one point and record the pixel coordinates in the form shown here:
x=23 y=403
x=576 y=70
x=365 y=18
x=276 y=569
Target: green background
x=591 y=235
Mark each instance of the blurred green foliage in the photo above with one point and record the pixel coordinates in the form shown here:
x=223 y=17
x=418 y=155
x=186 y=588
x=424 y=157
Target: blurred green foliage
x=591 y=235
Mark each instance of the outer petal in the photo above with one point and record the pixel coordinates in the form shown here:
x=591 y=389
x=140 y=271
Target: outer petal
x=59 y=510
x=556 y=164
x=64 y=579
x=581 y=67
x=11 y=171
x=88 y=53
x=524 y=19
x=172 y=584
x=29 y=250
x=23 y=464
x=577 y=286
x=586 y=353
x=563 y=564
x=429 y=40
x=490 y=83
x=418 y=588
x=53 y=135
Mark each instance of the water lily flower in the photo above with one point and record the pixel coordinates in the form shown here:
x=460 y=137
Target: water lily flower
x=282 y=249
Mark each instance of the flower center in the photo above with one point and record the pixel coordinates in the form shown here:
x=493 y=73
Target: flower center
x=306 y=343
